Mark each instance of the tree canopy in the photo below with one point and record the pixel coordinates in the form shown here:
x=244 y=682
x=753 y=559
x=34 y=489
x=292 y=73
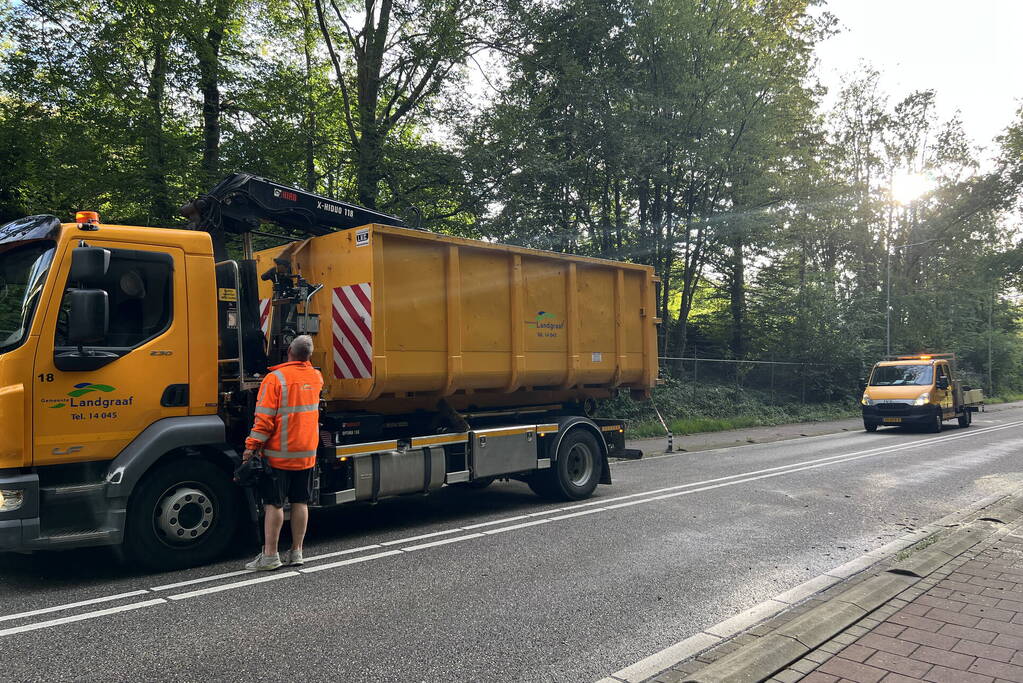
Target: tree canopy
x=689 y=135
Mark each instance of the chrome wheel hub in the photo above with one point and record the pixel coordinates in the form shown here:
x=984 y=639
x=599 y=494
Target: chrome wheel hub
x=579 y=465
x=183 y=514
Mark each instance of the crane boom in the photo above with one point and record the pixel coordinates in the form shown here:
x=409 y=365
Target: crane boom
x=240 y=202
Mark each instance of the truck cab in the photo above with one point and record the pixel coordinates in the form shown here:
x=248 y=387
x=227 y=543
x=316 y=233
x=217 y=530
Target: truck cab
x=919 y=390
x=103 y=354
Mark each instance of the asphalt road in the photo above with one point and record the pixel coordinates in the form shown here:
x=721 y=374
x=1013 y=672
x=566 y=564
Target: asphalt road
x=568 y=593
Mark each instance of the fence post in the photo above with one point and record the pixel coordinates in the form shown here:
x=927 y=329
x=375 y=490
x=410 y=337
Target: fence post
x=696 y=371
x=773 y=401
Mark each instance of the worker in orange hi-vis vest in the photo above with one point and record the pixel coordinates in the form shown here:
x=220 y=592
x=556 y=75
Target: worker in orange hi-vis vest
x=287 y=431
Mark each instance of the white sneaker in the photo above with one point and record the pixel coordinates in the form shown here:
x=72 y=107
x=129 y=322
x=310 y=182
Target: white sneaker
x=264 y=563
x=293 y=558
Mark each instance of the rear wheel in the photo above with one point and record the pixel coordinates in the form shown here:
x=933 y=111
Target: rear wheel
x=575 y=472
x=966 y=419
x=183 y=513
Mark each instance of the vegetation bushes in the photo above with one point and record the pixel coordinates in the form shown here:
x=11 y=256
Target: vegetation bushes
x=689 y=409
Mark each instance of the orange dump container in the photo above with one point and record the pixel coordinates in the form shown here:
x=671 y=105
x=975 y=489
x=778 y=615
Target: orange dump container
x=408 y=317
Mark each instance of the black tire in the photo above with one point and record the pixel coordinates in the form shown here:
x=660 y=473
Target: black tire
x=966 y=419
x=936 y=425
x=542 y=484
x=182 y=514
x=870 y=426
x=575 y=472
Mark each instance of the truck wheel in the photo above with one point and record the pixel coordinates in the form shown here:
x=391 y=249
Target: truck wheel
x=936 y=422
x=870 y=426
x=577 y=470
x=183 y=513
x=966 y=419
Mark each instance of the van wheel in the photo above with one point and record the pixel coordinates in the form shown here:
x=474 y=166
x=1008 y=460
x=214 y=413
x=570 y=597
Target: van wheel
x=870 y=426
x=182 y=514
x=936 y=423
x=966 y=419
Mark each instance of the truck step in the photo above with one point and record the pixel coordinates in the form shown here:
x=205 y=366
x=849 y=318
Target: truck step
x=61 y=538
x=71 y=492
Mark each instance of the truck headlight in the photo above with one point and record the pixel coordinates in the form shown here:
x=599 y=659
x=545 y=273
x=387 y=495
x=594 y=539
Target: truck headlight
x=922 y=399
x=867 y=401
x=11 y=500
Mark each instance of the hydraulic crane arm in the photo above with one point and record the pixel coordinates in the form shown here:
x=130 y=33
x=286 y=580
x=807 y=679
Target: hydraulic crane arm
x=240 y=202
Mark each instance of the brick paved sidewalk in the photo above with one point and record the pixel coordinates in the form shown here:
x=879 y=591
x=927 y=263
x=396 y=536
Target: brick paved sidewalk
x=963 y=623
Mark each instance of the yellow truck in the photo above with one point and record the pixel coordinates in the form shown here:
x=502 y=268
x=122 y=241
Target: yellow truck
x=920 y=390
x=130 y=358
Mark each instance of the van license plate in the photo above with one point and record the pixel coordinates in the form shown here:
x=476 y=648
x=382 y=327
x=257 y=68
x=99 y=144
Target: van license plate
x=893 y=419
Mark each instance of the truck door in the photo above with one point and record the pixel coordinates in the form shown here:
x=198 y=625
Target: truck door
x=943 y=397
x=92 y=415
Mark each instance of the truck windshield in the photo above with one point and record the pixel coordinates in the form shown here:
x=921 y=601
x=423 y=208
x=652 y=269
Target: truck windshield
x=901 y=375
x=23 y=271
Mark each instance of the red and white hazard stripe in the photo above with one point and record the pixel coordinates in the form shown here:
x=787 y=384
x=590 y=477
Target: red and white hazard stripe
x=264 y=315
x=353 y=331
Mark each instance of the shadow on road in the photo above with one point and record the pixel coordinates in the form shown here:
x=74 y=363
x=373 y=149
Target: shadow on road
x=350 y=525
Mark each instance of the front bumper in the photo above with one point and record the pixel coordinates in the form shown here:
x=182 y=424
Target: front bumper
x=898 y=414
x=19 y=529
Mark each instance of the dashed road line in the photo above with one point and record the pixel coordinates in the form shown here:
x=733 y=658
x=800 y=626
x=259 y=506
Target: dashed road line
x=231 y=586
x=572 y=511
x=72 y=605
x=80 y=617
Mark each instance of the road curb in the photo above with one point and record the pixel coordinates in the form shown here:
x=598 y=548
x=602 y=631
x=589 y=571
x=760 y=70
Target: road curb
x=654 y=664
x=760 y=660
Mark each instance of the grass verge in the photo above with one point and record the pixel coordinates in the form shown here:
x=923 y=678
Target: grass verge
x=715 y=408
x=699 y=425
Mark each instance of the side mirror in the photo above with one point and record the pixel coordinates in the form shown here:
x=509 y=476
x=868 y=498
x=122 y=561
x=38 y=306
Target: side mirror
x=863 y=384
x=88 y=320
x=88 y=316
x=941 y=384
x=89 y=264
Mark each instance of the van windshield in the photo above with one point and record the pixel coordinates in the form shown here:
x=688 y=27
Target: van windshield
x=23 y=270
x=901 y=375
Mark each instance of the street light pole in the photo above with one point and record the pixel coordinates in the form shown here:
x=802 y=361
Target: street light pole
x=888 y=287
x=888 y=303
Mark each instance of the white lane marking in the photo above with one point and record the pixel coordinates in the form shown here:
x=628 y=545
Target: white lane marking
x=338 y=553
x=424 y=546
x=724 y=481
x=80 y=617
x=576 y=514
x=492 y=522
x=354 y=560
x=72 y=605
x=604 y=501
x=446 y=532
x=229 y=586
x=204 y=579
x=513 y=527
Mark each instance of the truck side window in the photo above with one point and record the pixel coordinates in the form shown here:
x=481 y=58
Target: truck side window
x=139 y=287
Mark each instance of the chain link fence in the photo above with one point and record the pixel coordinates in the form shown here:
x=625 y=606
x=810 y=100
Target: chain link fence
x=781 y=381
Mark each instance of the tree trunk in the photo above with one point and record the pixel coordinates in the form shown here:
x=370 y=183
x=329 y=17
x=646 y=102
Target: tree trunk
x=208 y=55
x=737 y=295
x=308 y=42
x=161 y=208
